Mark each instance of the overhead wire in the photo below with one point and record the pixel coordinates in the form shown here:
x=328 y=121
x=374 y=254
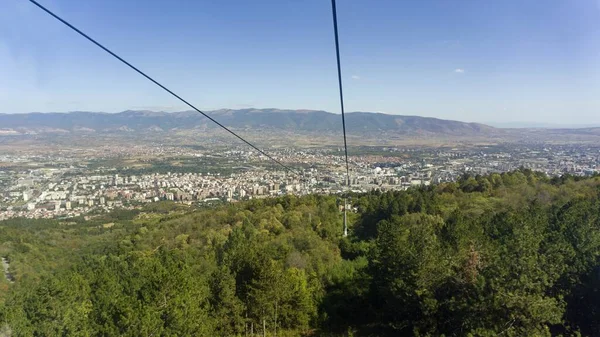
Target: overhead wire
x=161 y=86
x=341 y=88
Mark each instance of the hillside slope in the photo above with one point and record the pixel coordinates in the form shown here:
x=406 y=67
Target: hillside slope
x=257 y=119
x=516 y=254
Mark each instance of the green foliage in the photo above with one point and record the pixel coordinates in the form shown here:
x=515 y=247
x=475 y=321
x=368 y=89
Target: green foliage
x=514 y=254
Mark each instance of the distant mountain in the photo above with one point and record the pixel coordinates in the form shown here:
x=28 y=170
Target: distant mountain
x=255 y=119
x=541 y=125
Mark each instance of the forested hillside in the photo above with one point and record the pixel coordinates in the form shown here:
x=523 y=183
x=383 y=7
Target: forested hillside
x=515 y=254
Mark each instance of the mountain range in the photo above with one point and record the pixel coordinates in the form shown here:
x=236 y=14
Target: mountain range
x=289 y=120
x=367 y=124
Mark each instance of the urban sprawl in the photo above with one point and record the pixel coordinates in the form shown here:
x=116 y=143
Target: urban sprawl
x=65 y=184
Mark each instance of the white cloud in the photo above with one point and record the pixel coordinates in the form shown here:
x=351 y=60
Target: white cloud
x=355 y=77
x=459 y=71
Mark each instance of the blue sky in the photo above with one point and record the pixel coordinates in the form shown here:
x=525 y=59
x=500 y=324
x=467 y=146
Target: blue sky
x=482 y=61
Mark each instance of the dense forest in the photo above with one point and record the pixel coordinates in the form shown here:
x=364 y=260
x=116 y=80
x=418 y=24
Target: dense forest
x=514 y=254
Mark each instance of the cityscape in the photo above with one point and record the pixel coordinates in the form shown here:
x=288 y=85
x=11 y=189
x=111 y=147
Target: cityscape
x=239 y=168
x=65 y=184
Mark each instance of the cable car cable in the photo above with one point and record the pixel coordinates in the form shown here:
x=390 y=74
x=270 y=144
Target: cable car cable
x=160 y=85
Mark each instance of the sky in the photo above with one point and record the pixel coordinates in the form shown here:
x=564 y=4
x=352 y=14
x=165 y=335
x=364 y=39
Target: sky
x=470 y=60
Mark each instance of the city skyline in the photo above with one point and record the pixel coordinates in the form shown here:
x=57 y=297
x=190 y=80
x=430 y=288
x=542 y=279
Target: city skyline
x=47 y=183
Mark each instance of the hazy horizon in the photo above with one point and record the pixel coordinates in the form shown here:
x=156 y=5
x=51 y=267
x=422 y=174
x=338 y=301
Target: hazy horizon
x=497 y=124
